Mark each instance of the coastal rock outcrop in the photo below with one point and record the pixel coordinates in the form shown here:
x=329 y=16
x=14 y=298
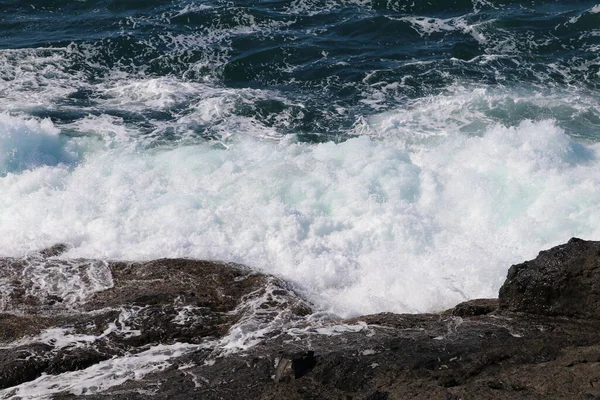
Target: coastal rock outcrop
x=564 y=280
x=60 y=315
x=250 y=335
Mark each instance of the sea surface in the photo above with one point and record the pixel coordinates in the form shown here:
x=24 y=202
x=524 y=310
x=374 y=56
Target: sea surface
x=379 y=155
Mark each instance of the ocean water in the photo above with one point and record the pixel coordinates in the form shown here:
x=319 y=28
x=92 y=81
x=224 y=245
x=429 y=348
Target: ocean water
x=380 y=155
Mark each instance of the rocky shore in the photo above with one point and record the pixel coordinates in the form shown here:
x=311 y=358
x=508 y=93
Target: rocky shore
x=188 y=329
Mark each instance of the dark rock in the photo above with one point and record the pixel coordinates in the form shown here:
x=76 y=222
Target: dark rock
x=54 y=251
x=294 y=366
x=14 y=327
x=21 y=364
x=216 y=286
x=527 y=345
x=377 y=395
x=476 y=307
x=564 y=280
x=303 y=364
x=489 y=357
x=135 y=305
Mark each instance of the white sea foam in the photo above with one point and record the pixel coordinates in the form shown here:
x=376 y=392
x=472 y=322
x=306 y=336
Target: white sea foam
x=312 y=7
x=72 y=281
x=33 y=78
x=59 y=338
x=428 y=25
x=473 y=109
x=28 y=143
x=362 y=226
x=101 y=376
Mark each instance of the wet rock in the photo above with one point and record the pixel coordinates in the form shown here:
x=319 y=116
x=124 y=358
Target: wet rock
x=25 y=363
x=294 y=366
x=88 y=311
x=484 y=357
x=216 y=286
x=283 y=370
x=538 y=341
x=14 y=327
x=54 y=251
x=22 y=364
x=475 y=307
x=564 y=280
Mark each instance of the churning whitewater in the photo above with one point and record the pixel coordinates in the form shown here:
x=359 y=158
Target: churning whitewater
x=381 y=156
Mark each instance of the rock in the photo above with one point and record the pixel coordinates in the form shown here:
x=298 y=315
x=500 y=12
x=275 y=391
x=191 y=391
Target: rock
x=54 y=251
x=538 y=341
x=488 y=357
x=92 y=310
x=562 y=281
x=294 y=366
x=475 y=307
x=283 y=370
x=14 y=327
x=21 y=365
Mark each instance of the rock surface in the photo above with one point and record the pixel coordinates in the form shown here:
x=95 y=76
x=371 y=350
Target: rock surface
x=564 y=280
x=64 y=315
x=539 y=340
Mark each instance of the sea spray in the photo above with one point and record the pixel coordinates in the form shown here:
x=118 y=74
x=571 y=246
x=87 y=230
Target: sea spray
x=361 y=226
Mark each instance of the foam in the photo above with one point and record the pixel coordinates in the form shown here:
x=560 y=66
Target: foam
x=59 y=338
x=101 y=376
x=472 y=109
x=34 y=78
x=72 y=281
x=425 y=26
x=194 y=106
x=312 y=7
x=27 y=143
x=361 y=226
